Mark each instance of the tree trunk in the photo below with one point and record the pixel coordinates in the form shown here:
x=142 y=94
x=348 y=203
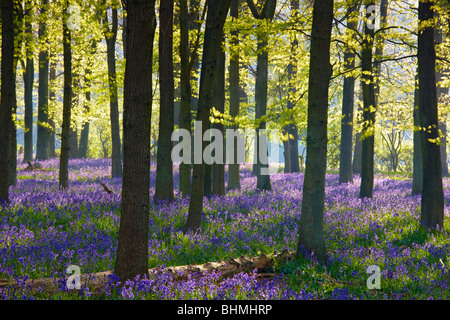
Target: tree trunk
x=443 y=147
x=218 y=102
x=132 y=250
x=110 y=36
x=262 y=63
x=51 y=122
x=7 y=94
x=164 y=169
x=28 y=79
x=234 y=181
x=348 y=98
x=67 y=101
x=294 y=165
x=417 y=140
x=311 y=234
x=356 y=165
x=432 y=204
x=217 y=12
x=185 y=90
x=43 y=133
x=368 y=132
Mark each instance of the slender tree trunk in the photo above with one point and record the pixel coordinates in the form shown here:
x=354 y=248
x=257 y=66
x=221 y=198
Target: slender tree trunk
x=132 y=250
x=417 y=141
x=262 y=169
x=111 y=35
x=28 y=79
x=185 y=91
x=356 y=166
x=348 y=98
x=432 y=204
x=234 y=181
x=67 y=101
x=311 y=235
x=43 y=134
x=18 y=30
x=218 y=102
x=164 y=169
x=368 y=132
x=51 y=122
x=217 y=12
x=294 y=165
x=262 y=163
x=7 y=94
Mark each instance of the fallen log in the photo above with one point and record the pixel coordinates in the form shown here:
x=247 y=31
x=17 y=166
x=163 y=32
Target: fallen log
x=262 y=263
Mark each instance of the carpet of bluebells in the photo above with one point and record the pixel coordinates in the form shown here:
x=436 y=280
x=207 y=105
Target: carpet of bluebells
x=44 y=230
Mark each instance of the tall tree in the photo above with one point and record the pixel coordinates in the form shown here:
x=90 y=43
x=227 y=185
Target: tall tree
x=28 y=79
x=369 y=108
x=185 y=91
x=218 y=102
x=234 y=181
x=441 y=93
x=311 y=234
x=18 y=39
x=417 y=181
x=217 y=13
x=51 y=122
x=110 y=36
x=43 y=133
x=262 y=64
x=164 y=167
x=7 y=94
x=132 y=250
x=432 y=203
x=67 y=102
x=291 y=128
x=348 y=98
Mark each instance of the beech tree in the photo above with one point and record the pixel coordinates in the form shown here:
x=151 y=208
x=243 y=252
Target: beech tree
x=233 y=168
x=348 y=98
x=311 y=234
x=111 y=36
x=7 y=96
x=43 y=133
x=432 y=202
x=164 y=166
x=265 y=14
x=67 y=103
x=132 y=249
x=217 y=13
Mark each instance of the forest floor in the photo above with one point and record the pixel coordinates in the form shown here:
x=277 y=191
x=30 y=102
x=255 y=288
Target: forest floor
x=45 y=230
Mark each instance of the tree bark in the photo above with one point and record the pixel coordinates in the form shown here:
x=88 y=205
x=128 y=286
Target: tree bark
x=348 y=99
x=7 y=94
x=217 y=12
x=43 y=133
x=368 y=132
x=67 y=105
x=262 y=169
x=28 y=79
x=110 y=36
x=164 y=168
x=234 y=181
x=356 y=165
x=185 y=91
x=132 y=250
x=432 y=203
x=417 y=142
x=51 y=122
x=311 y=234
x=218 y=102
x=294 y=165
